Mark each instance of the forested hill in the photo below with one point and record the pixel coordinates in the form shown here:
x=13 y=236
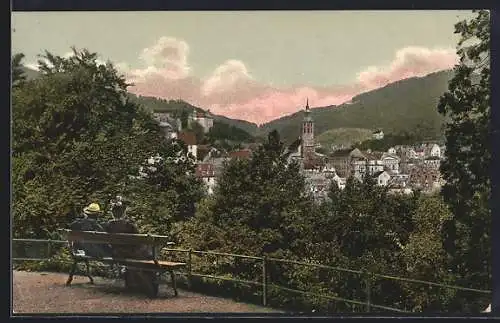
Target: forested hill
x=408 y=105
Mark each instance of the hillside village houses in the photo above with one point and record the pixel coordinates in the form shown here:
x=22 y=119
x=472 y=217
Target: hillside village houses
x=401 y=168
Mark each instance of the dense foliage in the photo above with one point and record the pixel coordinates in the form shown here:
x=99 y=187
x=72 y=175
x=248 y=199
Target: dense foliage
x=342 y=137
x=77 y=138
x=466 y=168
x=259 y=206
x=224 y=131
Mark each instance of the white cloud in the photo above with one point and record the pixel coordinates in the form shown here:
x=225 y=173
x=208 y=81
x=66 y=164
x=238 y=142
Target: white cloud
x=225 y=77
x=167 y=57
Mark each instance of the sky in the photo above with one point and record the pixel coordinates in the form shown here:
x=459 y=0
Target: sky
x=251 y=65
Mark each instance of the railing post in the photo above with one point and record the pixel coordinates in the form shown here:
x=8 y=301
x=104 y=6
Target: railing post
x=368 y=294
x=264 y=281
x=49 y=248
x=190 y=269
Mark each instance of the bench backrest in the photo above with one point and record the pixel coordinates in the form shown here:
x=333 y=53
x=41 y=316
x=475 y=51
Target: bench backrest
x=116 y=238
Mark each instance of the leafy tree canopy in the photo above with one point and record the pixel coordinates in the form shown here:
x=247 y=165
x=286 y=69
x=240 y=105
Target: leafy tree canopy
x=466 y=168
x=76 y=139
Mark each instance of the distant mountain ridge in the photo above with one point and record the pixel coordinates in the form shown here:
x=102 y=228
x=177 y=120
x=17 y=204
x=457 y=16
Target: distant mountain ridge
x=408 y=105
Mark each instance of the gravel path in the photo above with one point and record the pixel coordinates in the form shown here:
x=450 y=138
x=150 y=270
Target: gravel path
x=35 y=292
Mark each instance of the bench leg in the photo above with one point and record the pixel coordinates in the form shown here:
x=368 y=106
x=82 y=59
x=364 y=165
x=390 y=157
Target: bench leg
x=150 y=283
x=126 y=276
x=71 y=273
x=151 y=278
x=174 y=284
x=87 y=267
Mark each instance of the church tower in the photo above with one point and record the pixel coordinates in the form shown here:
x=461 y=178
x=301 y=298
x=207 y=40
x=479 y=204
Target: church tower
x=307 y=134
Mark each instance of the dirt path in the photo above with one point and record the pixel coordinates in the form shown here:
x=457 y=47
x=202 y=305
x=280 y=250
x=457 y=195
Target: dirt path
x=46 y=293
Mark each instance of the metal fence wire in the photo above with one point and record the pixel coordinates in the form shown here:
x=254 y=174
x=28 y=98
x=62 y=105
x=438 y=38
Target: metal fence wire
x=264 y=272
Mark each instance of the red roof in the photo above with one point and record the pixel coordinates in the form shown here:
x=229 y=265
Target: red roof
x=189 y=138
x=205 y=170
x=244 y=153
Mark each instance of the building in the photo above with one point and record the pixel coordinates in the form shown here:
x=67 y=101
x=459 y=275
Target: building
x=318 y=184
x=405 y=152
x=374 y=162
x=241 y=154
x=433 y=162
x=382 y=178
x=432 y=150
x=390 y=162
x=189 y=139
x=203 y=119
x=348 y=162
x=399 y=180
x=207 y=173
x=307 y=138
x=340 y=181
x=420 y=152
x=407 y=165
x=378 y=135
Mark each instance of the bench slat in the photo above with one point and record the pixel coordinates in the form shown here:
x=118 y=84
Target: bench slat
x=116 y=238
x=133 y=262
x=161 y=263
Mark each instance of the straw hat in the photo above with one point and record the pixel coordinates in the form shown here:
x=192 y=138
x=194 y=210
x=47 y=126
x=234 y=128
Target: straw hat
x=92 y=208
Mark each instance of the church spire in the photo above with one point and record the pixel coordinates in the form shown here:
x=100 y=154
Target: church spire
x=307 y=112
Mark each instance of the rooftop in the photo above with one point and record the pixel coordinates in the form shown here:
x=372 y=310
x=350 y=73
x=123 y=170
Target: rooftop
x=189 y=138
x=243 y=153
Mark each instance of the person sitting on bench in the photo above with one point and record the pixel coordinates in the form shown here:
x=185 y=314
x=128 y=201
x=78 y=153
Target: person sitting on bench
x=122 y=224
x=88 y=222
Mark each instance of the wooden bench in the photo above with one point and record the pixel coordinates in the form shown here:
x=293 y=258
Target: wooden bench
x=150 y=263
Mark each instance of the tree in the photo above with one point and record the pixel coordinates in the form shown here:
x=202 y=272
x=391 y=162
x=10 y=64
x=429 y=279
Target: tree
x=424 y=257
x=466 y=168
x=198 y=131
x=362 y=227
x=166 y=192
x=263 y=198
x=224 y=131
x=17 y=70
x=76 y=138
x=184 y=116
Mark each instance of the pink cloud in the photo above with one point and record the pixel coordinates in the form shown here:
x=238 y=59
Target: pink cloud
x=409 y=62
x=231 y=90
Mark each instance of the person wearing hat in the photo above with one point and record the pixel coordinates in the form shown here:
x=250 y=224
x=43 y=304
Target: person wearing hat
x=89 y=222
x=134 y=279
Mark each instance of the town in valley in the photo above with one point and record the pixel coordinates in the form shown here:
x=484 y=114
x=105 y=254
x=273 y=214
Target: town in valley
x=402 y=168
